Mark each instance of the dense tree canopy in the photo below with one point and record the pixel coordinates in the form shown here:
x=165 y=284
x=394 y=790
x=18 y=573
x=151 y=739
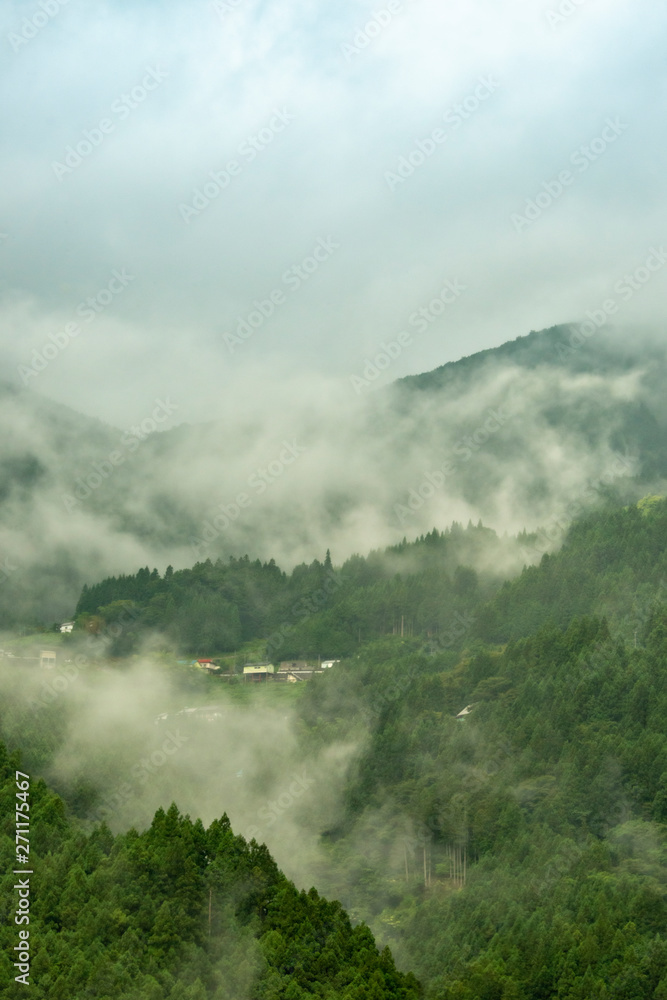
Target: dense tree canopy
x=513 y=852
x=175 y=912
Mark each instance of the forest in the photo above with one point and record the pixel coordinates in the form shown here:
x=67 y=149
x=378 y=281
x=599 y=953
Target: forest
x=503 y=823
x=610 y=562
x=213 y=608
x=175 y=912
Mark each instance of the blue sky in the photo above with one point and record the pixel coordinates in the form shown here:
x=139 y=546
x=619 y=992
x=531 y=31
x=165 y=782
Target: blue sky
x=334 y=101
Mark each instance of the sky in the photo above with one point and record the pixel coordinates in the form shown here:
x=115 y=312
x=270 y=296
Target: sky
x=230 y=205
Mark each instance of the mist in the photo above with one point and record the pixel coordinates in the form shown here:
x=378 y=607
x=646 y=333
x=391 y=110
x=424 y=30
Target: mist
x=103 y=748
x=298 y=282
x=521 y=442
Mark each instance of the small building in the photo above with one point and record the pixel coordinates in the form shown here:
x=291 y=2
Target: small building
x=288 y=665
x=209 y=665
x=47 y=659
x=302 y=675
x=258 y=672
x=67 y=627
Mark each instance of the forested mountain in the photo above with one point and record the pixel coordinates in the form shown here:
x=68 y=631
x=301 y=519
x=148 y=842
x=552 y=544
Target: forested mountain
x=416 y=588
x=176 y=912
x=612 y=563
x=513 y=436
x=520 y=850
x=516 y=849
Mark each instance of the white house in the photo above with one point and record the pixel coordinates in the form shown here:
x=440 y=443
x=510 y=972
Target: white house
x=258 y=672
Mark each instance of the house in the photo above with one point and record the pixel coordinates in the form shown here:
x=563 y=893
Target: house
x=302 y=675
x=47 y=659
x=67 y=627
x=209 y=665
x=288 y=665
x=258 y=672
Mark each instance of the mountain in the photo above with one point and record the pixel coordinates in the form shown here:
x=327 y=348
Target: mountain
x=512 y=435
x=177 y=912
x=490 y=799
x=519 y=849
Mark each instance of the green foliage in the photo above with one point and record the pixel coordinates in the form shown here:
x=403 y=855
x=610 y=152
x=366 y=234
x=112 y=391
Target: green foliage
x=411 y=588
x=175 y=913
x=518 y=851
x=553 y=788
x=613 y=563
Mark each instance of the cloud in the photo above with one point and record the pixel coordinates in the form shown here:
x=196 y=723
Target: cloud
x=512 y=437
x=353 y=119
x=111 y=760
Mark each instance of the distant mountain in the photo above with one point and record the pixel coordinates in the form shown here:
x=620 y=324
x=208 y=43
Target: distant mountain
x=513 y=435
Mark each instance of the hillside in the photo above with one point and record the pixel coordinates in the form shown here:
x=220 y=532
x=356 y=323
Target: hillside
x=612 y=562
x=176 y=912
x=415 y=588
x=513 y=436
x=518 y=850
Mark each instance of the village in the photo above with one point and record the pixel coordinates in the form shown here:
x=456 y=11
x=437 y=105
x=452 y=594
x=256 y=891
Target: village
x=288 y=671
